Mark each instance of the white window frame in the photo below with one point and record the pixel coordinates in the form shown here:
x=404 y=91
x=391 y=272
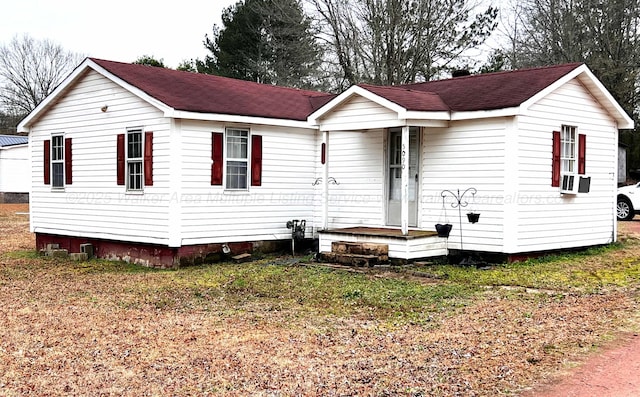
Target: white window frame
x=57 y=160
x=569 y=150
x=236 y=181
x=132 y=161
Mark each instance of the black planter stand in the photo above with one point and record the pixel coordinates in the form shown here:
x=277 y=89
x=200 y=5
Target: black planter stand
x=460 y=202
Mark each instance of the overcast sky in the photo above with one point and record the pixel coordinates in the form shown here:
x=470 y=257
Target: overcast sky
x=118 y=30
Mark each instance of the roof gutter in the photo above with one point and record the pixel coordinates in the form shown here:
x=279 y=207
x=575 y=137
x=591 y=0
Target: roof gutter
x=229 y=118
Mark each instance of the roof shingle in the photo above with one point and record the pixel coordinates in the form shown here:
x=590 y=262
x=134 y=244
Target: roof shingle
x=202 y=93
x=492 y=91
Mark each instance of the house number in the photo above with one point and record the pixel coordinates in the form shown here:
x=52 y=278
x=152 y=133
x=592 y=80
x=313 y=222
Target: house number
x=404 y=157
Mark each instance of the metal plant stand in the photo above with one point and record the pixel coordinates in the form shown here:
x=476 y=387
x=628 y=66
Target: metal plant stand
x=459 y=202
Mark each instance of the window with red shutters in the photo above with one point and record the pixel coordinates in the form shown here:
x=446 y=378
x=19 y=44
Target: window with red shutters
x=234 y=162
x=569 y=157
x=134 y=159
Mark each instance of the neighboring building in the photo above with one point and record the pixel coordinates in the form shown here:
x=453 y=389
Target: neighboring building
x=162 y=167
x=622 y=164
x=15 y=169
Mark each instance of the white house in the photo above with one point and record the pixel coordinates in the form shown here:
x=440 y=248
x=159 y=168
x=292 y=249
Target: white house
x=15 y=169
x=162 y=167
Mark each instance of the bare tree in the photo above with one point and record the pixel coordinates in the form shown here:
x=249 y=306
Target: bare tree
x=604 y=34
x=30 y=70
x=397 y=41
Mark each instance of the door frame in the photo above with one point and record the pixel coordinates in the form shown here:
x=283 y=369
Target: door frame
x=387 y=175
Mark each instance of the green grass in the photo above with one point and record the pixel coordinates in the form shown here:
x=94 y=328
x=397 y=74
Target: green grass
x=310 y=289
x=587 y=271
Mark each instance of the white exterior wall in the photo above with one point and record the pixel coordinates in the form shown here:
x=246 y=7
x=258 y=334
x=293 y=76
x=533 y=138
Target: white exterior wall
x=15 y=171
x=467 y=154
x=547 y=219
x=359 y=113
x=94 y=205
x=357 y=161
x=211 y=214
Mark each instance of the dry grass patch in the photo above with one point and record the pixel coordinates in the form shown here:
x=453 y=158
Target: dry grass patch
x=275 y=328
x=14 y=228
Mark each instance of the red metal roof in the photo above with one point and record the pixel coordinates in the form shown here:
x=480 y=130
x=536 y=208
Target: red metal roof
x=202 y=93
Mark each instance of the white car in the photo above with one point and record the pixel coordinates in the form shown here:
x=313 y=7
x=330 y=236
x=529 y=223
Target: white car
x=628 y=202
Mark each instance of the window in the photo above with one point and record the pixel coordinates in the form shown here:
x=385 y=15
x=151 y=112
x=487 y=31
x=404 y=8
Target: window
x=569 y=155
x=568 y=145
x=134 y=160
x=57 y=161
x=237 y=162
x=238 y=157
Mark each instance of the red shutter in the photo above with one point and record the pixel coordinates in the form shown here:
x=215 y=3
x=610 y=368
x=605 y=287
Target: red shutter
x=555 y=165
x=120 y=164
x=256 y=160
x=582 y=152
x=148 y=158
x=68 y=173
x=47 y=162
x=216 y=158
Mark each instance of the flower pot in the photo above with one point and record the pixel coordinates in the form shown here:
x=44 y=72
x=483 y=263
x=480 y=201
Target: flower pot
x=443 y=229
x=473 y=217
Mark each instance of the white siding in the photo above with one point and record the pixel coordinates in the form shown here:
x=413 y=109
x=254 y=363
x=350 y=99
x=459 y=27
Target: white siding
x=14 y=169
x=94 y=205
x=415 y=248
x=468 y=154
x=356 y=162
x=359 y=113
x=212 y=214
x=547 y=219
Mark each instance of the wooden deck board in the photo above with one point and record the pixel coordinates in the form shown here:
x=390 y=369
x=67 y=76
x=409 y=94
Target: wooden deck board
x=381 y=232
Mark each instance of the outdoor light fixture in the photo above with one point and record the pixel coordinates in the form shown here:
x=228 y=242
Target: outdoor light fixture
x=104 y=108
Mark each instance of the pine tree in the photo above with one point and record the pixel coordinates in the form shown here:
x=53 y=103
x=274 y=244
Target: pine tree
x=267 y=41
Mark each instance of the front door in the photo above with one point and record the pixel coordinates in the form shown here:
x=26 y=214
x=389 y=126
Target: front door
x=394 y=180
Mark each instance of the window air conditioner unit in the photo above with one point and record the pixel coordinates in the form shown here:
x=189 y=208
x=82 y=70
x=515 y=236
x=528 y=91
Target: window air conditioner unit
x=569 y=184
x=574 y=184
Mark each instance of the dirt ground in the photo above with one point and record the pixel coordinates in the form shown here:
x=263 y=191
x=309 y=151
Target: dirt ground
x=611 y=372
x=79 y=334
